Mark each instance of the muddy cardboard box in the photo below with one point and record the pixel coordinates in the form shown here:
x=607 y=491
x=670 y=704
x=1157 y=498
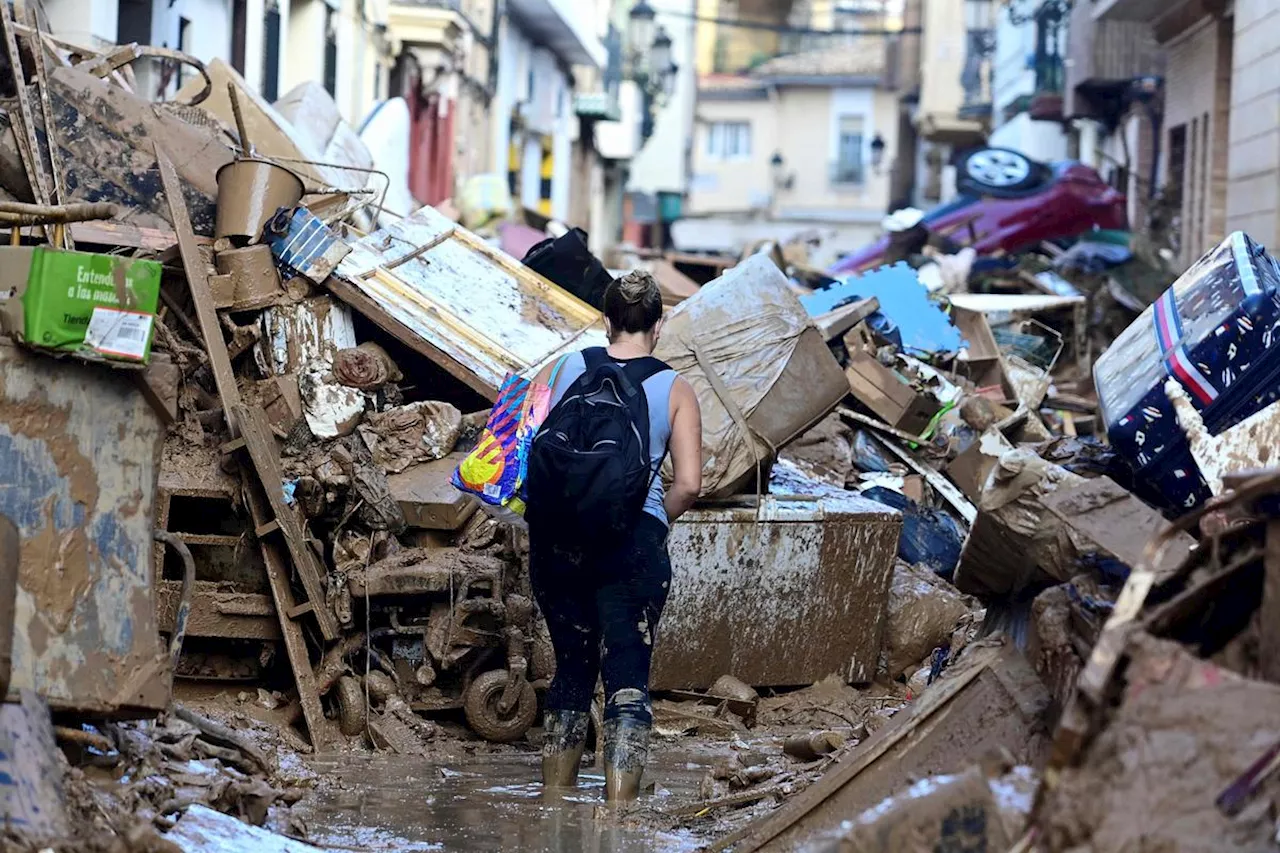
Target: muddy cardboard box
x=92 y=305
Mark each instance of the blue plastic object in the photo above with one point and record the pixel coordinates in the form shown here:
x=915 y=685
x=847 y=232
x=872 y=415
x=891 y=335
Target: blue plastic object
x=929 y=536
x=923 y=325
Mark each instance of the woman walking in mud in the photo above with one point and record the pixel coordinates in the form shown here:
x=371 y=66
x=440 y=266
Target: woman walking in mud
x=598 y=521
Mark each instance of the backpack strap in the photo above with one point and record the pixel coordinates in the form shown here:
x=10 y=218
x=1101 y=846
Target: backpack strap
x=555 y=371
x=634 y=372
x=642 y=369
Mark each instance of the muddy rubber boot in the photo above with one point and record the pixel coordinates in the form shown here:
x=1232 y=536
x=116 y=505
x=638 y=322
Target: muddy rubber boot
x=564 y=739
x=626 y=749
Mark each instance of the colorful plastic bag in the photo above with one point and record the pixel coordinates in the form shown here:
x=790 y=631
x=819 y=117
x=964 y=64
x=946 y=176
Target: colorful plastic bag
x=495 y=470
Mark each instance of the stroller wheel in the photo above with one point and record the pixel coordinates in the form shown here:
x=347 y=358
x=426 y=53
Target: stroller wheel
x=480 y=703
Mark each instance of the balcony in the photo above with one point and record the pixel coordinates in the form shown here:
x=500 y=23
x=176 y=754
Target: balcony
x=955 y=71
x=1046 y=103
x=1106 y=55
x=430 y=24
x=1145 y=11
x=600 y=102
x=566 y=27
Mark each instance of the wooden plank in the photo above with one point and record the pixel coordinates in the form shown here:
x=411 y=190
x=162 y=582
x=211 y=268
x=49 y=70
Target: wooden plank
x=936 y=734
x=46 y=110
x=301 y=609
x=212 y=539
x=940 y=483
x=128 y=236
x=858 y=417
x=198 y=283
x=25 y=131
x=835 y=323
x=261 y=444
x=373 y=312
x=294 y=642
x=1269 y=613
x=218 y=613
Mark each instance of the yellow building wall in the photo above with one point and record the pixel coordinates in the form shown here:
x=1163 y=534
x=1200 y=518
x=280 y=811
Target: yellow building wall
x=942 y=57
x=800 y=123
x=736 y=184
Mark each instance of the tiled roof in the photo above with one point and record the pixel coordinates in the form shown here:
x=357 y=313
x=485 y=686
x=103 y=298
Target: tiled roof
x=865 y=59
x=728 y=83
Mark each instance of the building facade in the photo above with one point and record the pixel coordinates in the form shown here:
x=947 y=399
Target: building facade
x=1215 y=138
x=1028 y=71
x=801 y=143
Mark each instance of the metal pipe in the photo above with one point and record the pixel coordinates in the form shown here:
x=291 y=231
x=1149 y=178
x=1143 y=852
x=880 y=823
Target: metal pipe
x=10 y=557
x=184 y=599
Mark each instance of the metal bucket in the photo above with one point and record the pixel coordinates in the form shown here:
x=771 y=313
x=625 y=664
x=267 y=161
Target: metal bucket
x=249 y=193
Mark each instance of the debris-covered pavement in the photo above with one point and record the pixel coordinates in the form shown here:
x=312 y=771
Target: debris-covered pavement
x=988 y=555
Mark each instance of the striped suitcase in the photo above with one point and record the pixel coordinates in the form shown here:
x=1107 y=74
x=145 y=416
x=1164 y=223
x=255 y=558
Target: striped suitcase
x=1214 y=331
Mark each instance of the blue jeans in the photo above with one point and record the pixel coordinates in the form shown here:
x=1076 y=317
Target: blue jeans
x=602 y=609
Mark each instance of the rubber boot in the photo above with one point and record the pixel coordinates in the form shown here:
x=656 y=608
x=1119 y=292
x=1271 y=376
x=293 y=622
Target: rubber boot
x=626 y=749
x=565 y=738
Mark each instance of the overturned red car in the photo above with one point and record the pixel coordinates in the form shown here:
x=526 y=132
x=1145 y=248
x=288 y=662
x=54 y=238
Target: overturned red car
x=1009 y=202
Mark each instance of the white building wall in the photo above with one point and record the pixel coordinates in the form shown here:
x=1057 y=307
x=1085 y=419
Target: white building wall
x=85 y=22
x=1013 y=76
x=1040 y=140
x=304 y=36
x=532 y=79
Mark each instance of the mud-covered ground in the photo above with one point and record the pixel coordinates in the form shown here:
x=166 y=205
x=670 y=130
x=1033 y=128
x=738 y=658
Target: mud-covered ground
x=710 y=773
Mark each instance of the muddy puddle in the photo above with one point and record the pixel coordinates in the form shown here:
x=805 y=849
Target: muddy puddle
x=482 y=803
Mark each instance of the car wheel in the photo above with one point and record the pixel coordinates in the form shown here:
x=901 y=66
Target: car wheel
x=998 y=171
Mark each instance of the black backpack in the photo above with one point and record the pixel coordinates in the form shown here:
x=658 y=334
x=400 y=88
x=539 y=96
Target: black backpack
x=589 y=469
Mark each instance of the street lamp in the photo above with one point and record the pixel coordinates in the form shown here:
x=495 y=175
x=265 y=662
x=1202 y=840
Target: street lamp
x=877 y=152
x=649 y=62
x=640 y=30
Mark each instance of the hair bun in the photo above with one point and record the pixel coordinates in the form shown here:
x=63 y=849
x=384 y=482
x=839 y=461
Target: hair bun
x=637 y=286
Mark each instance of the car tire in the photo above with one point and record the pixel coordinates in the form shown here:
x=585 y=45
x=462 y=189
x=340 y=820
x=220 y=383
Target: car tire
x=999 y=172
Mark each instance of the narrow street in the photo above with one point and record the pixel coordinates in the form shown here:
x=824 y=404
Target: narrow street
x=612 y=426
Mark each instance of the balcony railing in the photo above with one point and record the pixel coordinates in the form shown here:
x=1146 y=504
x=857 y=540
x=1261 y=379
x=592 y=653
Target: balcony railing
x=1048 y=65
x=847 y=173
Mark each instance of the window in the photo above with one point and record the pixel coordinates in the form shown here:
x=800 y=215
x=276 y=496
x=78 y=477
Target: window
x=849 y=163
x=729 y=140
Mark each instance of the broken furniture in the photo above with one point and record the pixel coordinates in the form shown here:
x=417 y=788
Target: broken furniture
x=445 y=293
x=455 y=636
x=80 y=450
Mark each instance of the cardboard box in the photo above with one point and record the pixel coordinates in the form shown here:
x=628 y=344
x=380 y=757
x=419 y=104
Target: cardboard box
x=969 y=469
x=427 y=497
x=886 y=393
x=99 y=306
x=983 y=364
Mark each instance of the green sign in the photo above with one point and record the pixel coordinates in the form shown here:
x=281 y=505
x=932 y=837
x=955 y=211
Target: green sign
x=101 y=305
